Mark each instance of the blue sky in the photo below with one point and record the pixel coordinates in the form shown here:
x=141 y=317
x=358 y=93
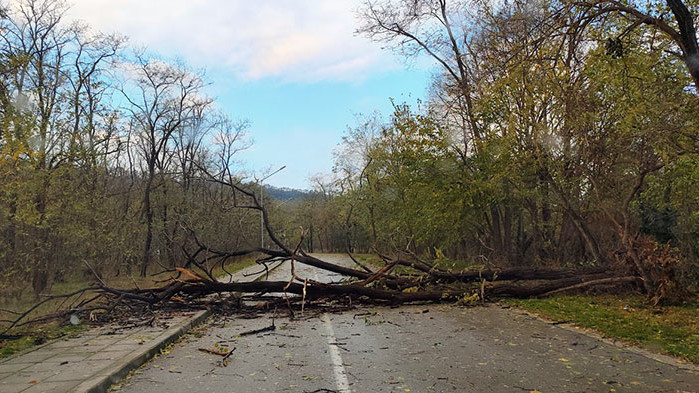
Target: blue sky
x=299 y=124
x=294 y=68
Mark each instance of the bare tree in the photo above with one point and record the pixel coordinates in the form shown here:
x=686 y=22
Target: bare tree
x=89 y=79
x=163 y=100
x=437 y=28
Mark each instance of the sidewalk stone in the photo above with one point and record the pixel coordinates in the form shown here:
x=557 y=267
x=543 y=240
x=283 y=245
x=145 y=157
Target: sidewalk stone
x=78 y=371
x=69 y=343
x=25 y=378
x=109 y=355
x=66 y=358
x=15 y=388
x=37 y=356
x=54 y=387
x=11 y=368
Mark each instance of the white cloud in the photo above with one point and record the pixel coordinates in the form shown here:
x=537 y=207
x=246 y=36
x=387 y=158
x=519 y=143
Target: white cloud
x=291 y=40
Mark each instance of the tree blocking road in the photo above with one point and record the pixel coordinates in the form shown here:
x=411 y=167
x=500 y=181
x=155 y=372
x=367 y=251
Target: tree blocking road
x=434 y=348
x=421 y=280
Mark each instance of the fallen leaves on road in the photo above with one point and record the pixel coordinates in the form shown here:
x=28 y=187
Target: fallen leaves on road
x=213 y=351
x=225 y=353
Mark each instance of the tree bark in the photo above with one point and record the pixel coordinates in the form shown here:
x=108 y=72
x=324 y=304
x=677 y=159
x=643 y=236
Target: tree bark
x=688 y=37
x=148 y=211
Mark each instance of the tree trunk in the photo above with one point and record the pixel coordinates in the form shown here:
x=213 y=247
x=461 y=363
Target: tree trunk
x=495 y=230
x=579 y=223
x=688 y=36
x=507 y=234
x=11 y=229
x=148 y=211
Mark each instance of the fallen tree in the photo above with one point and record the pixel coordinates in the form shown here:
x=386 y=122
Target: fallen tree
x=401 y=279
x=187 y=286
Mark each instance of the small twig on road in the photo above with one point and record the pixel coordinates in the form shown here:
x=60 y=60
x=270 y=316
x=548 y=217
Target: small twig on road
x=340 y=345
x=525 y=389
x=321 y=391
x=224 y=361
x=264 y=329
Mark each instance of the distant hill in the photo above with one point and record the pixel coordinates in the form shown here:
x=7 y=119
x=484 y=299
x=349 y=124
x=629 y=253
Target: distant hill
x=285 y=193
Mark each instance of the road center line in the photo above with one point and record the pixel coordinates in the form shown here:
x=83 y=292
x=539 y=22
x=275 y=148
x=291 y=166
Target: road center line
x=338 y=367
x=341 y=381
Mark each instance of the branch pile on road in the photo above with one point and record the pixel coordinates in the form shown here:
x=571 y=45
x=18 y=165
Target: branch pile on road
x=398 y=281
x=418 y=281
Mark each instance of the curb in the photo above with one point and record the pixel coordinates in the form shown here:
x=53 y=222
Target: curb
x=665 y=359
x=114 y=373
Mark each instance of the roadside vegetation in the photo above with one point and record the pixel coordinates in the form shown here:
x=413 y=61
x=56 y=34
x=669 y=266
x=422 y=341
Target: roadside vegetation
x=25 y=338
x=672 y=330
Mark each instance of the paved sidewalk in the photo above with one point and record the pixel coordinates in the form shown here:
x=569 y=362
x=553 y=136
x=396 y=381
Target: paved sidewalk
x=97 y=358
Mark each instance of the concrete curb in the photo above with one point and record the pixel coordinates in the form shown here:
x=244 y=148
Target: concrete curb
x=666 y=359
x=114 y=373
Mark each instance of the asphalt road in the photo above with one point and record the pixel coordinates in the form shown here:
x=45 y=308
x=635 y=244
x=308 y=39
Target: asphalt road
x=435 y=348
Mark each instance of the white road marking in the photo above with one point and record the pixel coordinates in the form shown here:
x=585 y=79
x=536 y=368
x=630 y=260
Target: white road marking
x=338 y=367
x=341 y=381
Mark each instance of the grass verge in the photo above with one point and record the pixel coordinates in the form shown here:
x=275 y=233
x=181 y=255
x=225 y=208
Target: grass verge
x=672 y=330
x=36 y=336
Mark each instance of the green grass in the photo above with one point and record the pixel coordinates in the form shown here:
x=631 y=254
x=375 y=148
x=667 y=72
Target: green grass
x=371 y=260
x=238 y=264
x=672 y=330
x=375 y=262
x=36 y=336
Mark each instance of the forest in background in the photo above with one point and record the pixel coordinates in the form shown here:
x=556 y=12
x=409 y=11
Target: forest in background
x=556 y=133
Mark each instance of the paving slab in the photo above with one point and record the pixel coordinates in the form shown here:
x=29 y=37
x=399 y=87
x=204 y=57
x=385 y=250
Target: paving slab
x=63 y=365
x=14 y=388
x=54 y=387
x=97 y=358
x=12 y=368
x=36 y=356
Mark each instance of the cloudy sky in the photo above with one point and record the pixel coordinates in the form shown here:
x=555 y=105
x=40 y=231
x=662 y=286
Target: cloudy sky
x=294 y=68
